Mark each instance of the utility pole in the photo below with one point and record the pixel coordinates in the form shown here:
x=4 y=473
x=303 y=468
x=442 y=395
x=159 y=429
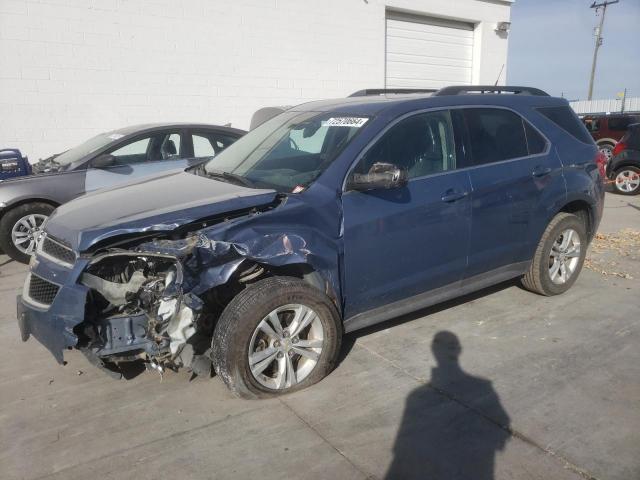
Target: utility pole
x=598 y=6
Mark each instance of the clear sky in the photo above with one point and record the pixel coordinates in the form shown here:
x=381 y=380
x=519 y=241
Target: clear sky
x=551 y=47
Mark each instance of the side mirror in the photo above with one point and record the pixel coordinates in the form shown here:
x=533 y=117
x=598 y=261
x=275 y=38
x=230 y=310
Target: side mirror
x=380 y=176
x=103 y=161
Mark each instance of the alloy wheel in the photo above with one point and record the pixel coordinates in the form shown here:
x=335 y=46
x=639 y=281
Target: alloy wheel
x=564 y=256
x=285 y=346
x=627 y=181
x=26 y=232
x=607 y=151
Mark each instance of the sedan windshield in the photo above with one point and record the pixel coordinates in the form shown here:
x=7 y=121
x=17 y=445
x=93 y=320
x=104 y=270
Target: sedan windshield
x=288 y=152
x=91 y=145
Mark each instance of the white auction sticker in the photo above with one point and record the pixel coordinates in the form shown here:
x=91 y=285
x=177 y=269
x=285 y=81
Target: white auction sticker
x=355 y=122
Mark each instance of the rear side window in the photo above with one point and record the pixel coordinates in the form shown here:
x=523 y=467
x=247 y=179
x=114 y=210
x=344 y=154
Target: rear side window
x=632 y=137
x=568 y=121
x=209 y=144
x=619 y=124
x=535 y=142
x=495 y=135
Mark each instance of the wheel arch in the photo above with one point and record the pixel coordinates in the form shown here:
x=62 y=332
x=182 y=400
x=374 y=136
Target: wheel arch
x=611 y=141
x=626 y=163
x=308 y=274
x=252 y=271
x=25 y=201
x=584 y=210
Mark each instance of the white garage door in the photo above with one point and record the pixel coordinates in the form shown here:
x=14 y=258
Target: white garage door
x=425 y=52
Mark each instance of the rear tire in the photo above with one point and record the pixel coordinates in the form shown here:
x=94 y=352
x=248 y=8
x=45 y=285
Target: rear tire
x=555 y=267
x=36 y=211
x=256 y=364
x=626 y=180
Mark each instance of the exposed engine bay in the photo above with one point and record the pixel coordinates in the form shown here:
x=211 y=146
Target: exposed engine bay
x=142 y=306
x=138 y=310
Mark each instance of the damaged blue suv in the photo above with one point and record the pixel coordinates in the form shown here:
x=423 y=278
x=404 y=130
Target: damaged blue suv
x=330 y=217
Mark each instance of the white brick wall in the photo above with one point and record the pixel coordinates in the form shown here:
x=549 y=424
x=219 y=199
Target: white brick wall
x=72 y=68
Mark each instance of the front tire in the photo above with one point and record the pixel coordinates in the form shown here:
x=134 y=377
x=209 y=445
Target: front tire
x=275 y=337
x=627 y=181
x=559 y=256
x=20 y=229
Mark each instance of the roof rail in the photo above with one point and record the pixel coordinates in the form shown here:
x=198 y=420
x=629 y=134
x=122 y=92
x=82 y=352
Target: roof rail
x=384 y=91
x=471 y=89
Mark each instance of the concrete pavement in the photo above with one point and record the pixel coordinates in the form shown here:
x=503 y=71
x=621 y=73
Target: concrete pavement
x=519 y=387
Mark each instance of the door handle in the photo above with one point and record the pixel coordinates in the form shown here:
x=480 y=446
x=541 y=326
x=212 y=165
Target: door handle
x=541 y=171
x=453 y=195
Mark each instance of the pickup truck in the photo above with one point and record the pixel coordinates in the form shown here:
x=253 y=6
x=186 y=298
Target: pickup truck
x=13 y=164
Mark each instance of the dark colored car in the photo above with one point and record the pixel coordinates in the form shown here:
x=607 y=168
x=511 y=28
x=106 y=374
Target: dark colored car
x=106 y=160
x=13 y=164
x=327 y=218
x=624 y=168
x=606 y=130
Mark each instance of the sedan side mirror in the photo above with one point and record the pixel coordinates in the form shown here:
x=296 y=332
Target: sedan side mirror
x=103 y=161
x=380 y=176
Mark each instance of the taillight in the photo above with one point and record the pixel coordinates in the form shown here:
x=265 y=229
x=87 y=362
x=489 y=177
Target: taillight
x=601 y=161
x=620 y=146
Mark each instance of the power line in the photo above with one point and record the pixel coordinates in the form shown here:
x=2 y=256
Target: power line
x=598 y=6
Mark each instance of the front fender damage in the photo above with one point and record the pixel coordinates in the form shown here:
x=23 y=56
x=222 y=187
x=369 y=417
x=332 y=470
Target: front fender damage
x=154 y=303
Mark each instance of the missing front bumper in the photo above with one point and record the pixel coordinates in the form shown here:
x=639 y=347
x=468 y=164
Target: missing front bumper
x=53 y=331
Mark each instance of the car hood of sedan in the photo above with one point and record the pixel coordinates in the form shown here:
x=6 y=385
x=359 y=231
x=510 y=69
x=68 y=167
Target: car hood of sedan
x=156 y=204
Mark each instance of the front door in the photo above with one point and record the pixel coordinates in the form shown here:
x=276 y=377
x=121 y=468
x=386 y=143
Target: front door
x=401 y=242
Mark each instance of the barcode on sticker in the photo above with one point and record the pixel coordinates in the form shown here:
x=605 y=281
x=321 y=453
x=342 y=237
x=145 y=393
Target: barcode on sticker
x=355 y=122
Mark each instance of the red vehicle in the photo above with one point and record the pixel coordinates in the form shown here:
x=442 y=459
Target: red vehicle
x=624 y=167
x=607 y=130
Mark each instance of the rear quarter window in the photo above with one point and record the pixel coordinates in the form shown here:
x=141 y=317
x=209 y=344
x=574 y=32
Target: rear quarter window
x=619 y=124
x=632 y=137
x=535 y=142
x=568 y=121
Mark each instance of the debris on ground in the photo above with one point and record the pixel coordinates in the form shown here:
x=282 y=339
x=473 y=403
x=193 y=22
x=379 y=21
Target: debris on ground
x=625 y=244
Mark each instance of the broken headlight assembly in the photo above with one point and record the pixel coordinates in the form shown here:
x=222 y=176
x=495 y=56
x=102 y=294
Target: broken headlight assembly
x=136 y=309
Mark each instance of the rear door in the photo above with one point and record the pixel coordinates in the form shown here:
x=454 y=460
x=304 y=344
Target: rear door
x=513 y=171
x=141 y=156
x=401 y=242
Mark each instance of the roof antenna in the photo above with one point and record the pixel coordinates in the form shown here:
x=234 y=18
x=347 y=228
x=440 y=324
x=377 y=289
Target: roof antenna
x=499 y=74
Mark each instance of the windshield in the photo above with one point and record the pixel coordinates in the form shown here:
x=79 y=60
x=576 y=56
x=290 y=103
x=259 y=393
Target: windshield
x=289 y=151
x=91 y=145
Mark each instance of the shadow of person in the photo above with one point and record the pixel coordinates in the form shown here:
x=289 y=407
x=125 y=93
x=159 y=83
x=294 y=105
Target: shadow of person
x=452 y=427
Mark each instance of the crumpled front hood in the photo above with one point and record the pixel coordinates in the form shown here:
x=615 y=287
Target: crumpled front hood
x=155 y=204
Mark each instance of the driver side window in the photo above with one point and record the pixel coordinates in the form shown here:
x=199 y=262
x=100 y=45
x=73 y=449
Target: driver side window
x=161 y=146
x=423 y=144
x=134 y=152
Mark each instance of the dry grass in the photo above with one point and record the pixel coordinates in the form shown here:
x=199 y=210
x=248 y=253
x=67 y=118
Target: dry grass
x=624 y=245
